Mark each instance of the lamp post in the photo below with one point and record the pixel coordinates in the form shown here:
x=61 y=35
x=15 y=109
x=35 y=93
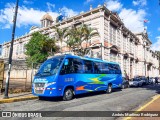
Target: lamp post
x=11 y=51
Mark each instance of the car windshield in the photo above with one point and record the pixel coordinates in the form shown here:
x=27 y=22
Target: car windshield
x=50 y=67
x=135 y=79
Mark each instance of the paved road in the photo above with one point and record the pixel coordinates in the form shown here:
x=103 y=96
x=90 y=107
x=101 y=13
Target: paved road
x=125 y=100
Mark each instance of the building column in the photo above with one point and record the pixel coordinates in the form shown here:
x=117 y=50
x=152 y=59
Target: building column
x=133 y=68
x=122 y=66
x=129 y=67
x=102 y=32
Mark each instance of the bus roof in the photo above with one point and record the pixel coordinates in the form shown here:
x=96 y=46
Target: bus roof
x=84 y=58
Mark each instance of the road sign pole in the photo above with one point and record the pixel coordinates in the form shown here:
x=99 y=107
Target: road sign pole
x=11 y=51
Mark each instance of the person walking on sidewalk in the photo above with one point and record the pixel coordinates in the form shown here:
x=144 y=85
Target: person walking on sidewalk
x=156 y=80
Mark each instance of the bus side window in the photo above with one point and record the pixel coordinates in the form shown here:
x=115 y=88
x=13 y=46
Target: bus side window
x=97 y=68
x=118 y=70
x=105 y=68
x=67 y=69
x=88 y=67
x=111 y=68
x=78 y=66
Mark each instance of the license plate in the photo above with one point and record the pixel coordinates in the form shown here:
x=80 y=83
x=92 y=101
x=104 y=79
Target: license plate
x=38 y=88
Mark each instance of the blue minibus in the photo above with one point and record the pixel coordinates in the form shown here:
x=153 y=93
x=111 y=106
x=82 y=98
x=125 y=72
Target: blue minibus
x=68 y=75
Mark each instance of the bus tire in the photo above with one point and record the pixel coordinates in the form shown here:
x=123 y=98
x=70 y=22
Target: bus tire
x=68 y=94
x=109 y=89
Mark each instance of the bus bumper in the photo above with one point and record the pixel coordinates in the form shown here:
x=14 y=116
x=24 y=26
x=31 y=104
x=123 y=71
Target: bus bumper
x=47 y=92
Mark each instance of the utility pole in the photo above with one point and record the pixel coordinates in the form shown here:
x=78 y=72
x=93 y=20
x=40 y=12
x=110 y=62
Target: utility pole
x=11 y=51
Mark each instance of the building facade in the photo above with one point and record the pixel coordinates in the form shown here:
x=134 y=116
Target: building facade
x=114 y=43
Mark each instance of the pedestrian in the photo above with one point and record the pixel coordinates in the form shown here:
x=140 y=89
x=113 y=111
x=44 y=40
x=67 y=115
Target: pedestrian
x=126 y=76
x=156 y=80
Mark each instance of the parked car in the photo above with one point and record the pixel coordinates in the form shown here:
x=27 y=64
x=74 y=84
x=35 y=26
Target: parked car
x=145 y=80
x=125 y=83
x=151 y=80
x=136 y=82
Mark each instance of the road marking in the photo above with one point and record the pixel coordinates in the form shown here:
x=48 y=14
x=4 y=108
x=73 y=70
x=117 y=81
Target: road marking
x=144 y=106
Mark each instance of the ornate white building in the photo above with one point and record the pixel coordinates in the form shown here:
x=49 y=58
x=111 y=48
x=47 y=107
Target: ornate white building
x=114 y=43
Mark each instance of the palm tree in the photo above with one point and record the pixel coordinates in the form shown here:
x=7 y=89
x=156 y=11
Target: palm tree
x=88 y=33
x=60 y=35
x=74 y=36
x=77 y=35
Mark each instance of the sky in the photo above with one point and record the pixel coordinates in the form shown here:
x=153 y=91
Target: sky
x=132 y=12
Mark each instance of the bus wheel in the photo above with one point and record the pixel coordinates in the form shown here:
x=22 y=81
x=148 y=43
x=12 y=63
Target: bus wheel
x=109 y=90
x=68 y=94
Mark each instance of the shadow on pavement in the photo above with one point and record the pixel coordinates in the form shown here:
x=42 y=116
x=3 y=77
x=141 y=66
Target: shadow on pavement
x=52 y=99
x=56 y=99
x=95 y=93
x=155 y=87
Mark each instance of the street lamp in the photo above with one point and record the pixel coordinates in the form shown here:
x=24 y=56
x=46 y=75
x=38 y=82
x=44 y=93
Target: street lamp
x=11 y=51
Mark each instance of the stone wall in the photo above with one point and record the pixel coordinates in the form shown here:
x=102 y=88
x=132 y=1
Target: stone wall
x=21 y=75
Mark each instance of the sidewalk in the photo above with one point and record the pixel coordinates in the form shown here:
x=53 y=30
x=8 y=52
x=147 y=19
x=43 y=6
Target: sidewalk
x=153 y=105
x=17 y=97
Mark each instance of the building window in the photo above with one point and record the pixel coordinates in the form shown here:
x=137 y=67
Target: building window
x=20 y=48
x=118 y=38
x=112 y=35
x=124 y=44
x=24 y=48
x=113 y=57
x=17 y=50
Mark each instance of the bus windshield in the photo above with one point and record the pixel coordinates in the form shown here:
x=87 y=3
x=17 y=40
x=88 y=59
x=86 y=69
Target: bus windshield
x=50 y=67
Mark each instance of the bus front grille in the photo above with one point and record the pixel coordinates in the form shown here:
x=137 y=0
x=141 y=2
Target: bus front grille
x=39 y=88
x=39 y=84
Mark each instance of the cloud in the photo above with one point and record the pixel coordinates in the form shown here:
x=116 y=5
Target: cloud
x=27 y=2
x=156 y=45
x=114 y=5
x=27 y=16
x=133 y=20
x=50 y=6
x=88 y=1
x=68 y=12
x=139 y=2
x=159 y=29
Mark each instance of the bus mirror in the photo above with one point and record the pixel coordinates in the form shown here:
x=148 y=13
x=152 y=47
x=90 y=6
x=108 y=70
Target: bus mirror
x=66 y=62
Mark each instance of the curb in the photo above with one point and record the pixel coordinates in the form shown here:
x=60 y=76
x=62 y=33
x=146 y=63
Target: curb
x=144 y=106
x=10 y=100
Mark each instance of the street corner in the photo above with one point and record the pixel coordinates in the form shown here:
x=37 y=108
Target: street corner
x=16 y=99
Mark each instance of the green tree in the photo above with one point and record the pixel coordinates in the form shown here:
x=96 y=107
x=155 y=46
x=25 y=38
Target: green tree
x=39 y=48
